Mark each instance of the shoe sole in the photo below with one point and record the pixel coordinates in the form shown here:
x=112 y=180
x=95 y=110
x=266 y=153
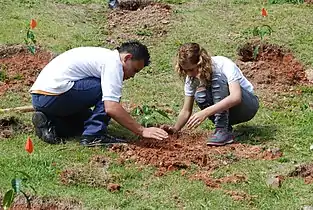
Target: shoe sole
x=106 y=144
x=39 y=120
x=102 y=144
x=220 y=144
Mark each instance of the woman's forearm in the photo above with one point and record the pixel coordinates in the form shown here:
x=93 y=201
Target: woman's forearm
x=182 y=119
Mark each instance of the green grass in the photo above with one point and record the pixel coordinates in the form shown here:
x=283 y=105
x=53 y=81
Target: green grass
x=216 y=25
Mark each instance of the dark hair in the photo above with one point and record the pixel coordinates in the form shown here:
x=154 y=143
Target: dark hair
x=138 y=50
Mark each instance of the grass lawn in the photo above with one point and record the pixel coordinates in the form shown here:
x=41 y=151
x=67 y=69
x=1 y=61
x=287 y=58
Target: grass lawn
x=286 y=123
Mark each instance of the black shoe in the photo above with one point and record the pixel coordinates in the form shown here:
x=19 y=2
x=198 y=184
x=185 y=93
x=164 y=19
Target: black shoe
x=105 y=140
x=44 y=129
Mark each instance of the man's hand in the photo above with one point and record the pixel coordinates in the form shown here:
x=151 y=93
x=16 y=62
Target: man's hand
x=196 y=119
x=154 y=133
x=169 y=129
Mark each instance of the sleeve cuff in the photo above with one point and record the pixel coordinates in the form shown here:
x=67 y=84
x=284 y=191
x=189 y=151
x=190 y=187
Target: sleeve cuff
x=108 y=98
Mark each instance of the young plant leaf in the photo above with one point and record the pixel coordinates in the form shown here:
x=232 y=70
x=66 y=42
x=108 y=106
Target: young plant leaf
x=256 y=52
x=30 y=35
x=31 y=49
x=16 y=185
x=146 y=109
x=8 y=199
x=137 y=111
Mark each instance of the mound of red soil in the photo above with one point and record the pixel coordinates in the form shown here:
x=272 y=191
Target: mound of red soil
x=274 y=66
x=19 y=68
x=146 y=22
x=172 y=154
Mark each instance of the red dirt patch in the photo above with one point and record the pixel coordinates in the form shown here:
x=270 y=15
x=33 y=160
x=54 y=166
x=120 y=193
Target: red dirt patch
x=20 y=67
x=273 y=73
x=147 y=22
x=45 y=204
x=191 y=149
x=94 y=175
x=205 y=176
x=274 y=67
x=11 y=125
x=304 y=171
x=239 y=195
x=99 y=161
x=172 y=154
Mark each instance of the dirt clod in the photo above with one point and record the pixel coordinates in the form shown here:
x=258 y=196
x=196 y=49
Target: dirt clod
x=113 y=187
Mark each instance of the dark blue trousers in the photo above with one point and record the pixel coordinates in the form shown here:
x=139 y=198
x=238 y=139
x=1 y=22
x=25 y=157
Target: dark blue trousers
x=71 y=112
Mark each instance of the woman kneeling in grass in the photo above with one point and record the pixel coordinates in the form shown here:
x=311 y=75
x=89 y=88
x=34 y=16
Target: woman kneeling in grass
x=219 y=88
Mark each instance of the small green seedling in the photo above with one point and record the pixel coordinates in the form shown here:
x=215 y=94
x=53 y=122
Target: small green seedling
x=261 y=31
x=30 y=39
x=19 y=185
x=148 y=115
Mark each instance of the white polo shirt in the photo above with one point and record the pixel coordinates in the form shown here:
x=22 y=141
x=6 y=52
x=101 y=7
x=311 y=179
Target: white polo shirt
x=225 y=66
x=59 y=75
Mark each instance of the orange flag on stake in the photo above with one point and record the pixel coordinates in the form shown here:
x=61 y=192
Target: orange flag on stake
x=29 y=147
x=264 y=12
x=33 y=24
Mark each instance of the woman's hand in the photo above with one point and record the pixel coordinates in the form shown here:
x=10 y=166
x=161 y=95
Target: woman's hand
x=196 y=119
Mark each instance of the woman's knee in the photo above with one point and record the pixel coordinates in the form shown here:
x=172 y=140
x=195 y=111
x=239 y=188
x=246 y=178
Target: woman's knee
x=202 y=98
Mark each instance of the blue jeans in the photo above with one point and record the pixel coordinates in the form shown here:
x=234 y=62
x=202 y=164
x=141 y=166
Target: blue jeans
x=71 y=112
x=217 y=91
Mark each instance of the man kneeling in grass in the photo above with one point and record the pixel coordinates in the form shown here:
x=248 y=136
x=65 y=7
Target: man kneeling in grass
x=86 y=77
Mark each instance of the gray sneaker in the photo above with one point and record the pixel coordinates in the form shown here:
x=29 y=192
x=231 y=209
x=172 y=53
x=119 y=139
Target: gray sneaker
x=221 y=137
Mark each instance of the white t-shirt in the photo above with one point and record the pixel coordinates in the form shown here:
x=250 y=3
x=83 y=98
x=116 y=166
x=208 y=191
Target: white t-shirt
x=59 y=75
x=225 y=66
